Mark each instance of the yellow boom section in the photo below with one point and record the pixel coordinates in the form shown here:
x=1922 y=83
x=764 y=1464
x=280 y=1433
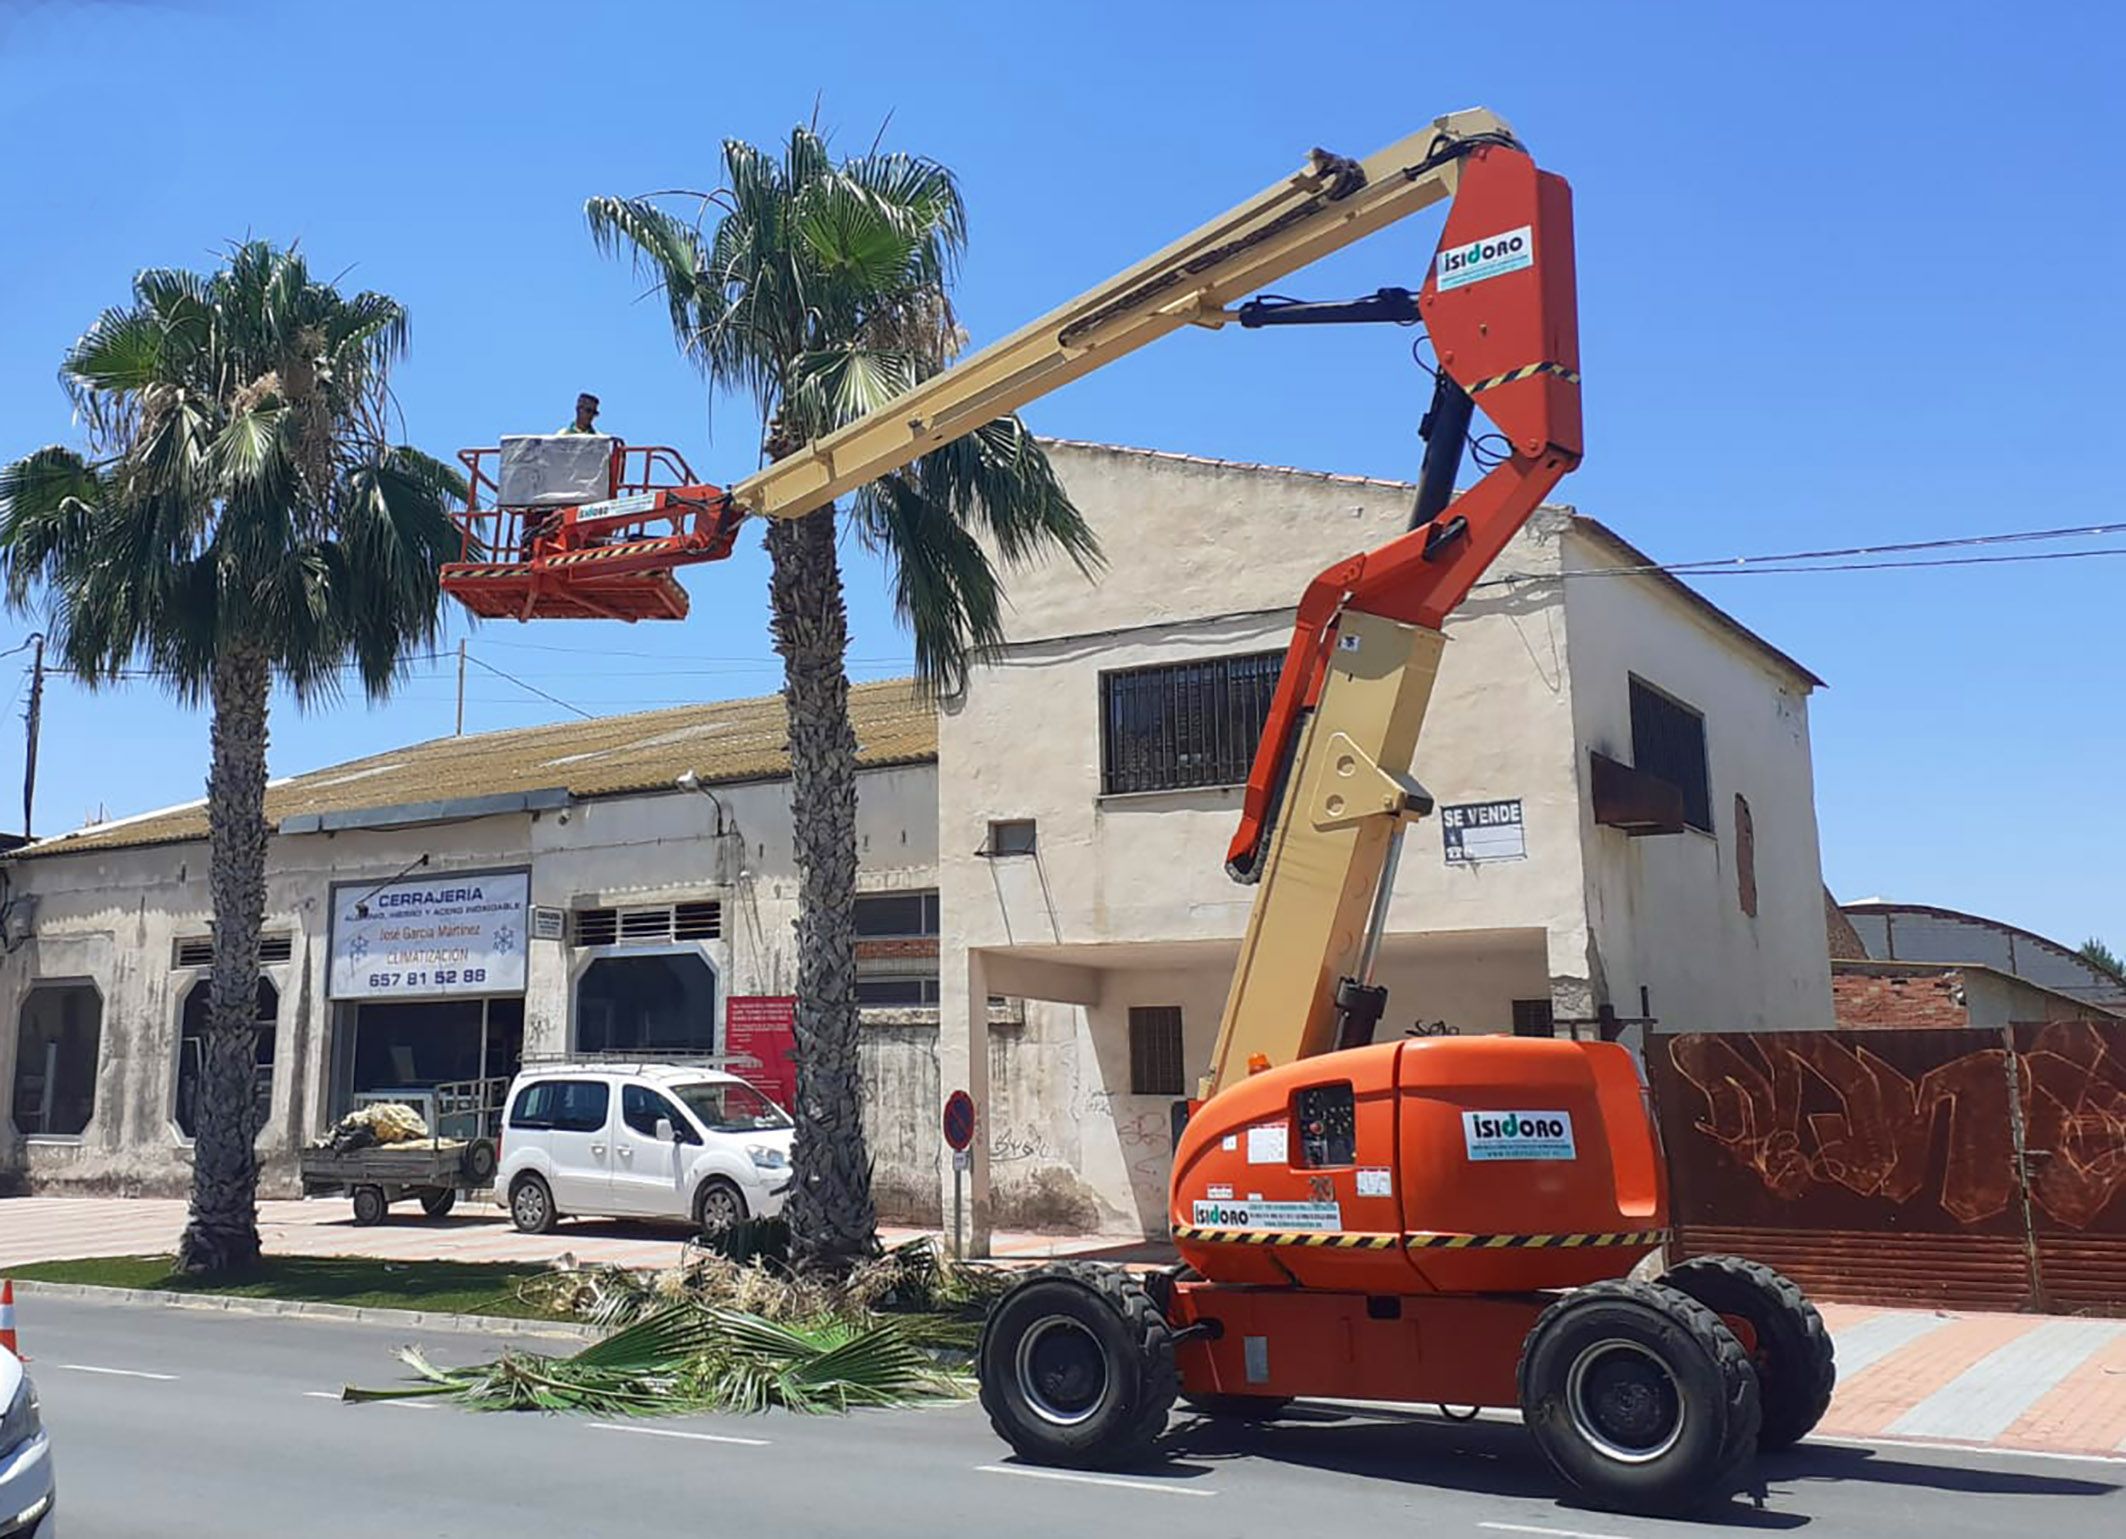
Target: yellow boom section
x=1326 y=206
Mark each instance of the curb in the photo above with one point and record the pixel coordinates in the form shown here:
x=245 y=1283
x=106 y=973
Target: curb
x=364 y=1314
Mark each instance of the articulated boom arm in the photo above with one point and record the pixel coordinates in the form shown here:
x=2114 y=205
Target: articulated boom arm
x=1323 y=208
x=1329 y=793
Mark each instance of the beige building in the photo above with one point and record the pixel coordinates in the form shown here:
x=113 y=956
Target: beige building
x=1626 y=832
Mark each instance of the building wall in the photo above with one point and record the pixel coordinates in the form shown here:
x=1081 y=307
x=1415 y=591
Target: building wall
x=114 y=917
x=1900 y=1000
x=1664 y=912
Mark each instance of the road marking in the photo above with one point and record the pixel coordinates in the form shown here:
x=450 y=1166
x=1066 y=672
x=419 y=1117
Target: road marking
x=691 y=1437
x=1988 y=1397
x=118 y=1373
x=1531 y=1528
x=1165 y=1488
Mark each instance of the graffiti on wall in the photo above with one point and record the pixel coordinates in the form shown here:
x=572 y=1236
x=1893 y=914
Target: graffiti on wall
x=1925 y=1121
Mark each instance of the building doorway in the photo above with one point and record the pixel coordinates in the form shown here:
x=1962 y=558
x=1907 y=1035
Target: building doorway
x=403 y=1049
x=647 y=1002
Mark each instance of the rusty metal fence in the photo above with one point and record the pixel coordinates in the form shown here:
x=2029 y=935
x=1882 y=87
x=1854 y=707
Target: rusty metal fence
x=1977 y=1168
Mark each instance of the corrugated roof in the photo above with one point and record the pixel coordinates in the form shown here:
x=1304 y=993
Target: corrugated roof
x=721 y=741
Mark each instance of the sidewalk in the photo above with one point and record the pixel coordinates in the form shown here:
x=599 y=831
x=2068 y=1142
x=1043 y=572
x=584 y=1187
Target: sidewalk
x=2030 y=1382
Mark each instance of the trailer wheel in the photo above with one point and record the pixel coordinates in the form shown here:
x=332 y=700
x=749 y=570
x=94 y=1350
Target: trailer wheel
x=439 y=1202
x=1076 y=1366
x=1238 y=1407
x=1796 y=1363
x=1640 y=1397
x=369 y=1205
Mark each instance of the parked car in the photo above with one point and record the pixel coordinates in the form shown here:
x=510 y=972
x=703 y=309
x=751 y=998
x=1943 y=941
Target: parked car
x=25 y=1458
x=658 y=1141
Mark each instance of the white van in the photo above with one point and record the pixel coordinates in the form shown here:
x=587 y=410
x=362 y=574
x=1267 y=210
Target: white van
x=661 y=1141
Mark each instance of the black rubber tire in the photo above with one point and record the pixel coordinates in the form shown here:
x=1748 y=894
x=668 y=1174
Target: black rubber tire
x=532 y=1214
x=369 y=1205
x=1797 y=1366
x=718 y=1192
x=478 y=1165
x=1255 y=1408
x=1135 y=1355
x=1709 y=1377
x=436 y=1204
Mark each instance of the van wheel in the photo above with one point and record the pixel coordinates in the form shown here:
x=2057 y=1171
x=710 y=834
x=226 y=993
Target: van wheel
x=531 y=1206
x=1796 y=1369
x=369 y=1205
x=1640 y=1397
x=718 y=1205
x=1076 y=1367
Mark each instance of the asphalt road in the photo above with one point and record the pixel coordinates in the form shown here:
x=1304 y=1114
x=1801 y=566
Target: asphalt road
x=176 y=1422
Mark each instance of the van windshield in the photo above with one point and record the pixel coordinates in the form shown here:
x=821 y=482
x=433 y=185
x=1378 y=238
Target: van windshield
x=724 y=1106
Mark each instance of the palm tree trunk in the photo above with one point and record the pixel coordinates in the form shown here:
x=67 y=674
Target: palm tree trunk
x=832 y=1220
x=221 y=1234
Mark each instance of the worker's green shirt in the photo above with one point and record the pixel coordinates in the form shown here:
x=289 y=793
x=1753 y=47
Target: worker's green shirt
x=572 y=428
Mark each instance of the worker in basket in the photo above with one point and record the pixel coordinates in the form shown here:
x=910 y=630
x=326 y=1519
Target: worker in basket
x=538 y=525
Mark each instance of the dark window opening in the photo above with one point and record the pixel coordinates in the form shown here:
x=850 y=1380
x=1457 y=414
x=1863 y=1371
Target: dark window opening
x=1534 y=1018
x=1155 y=1050
x=896 y=915
x=191 y=1054
x=1327 y=1119
x=658 y=1003
x=418 y=1044
x=1668 y=741
x=56 y=1050
x=1184 y=724
x=897 y=992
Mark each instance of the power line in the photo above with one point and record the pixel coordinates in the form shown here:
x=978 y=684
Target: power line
x=533 y=688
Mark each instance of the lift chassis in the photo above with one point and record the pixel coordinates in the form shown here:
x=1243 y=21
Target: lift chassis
x=1447 y=1221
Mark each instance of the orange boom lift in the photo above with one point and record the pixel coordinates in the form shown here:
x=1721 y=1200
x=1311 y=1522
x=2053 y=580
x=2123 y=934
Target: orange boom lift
x=1441 y=1221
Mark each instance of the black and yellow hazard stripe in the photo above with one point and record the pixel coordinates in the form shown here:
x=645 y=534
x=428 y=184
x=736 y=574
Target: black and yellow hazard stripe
x=1319 y=1239
x=1526 y=371
x=1312 y=1239
x=1534 y=1241
x=595 y=553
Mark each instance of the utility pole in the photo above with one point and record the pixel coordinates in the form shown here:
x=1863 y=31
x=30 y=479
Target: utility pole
x=34 y=717
x=461 y=687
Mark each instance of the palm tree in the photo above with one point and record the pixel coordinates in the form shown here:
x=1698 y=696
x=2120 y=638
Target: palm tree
x=239 y=519
x=821 y=293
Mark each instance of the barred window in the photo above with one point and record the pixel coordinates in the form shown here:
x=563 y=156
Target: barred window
x=1668 y=740
x=1155 y=1050
x=1184 y=724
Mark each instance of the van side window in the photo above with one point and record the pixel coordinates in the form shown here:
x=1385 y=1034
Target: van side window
x=640 y=1107
x=580 y=1105
x=1326 y=1119
x=535 y=1106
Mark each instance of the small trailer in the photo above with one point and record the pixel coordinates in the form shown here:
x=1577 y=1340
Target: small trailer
x=432 y=1170
x=458 y=1155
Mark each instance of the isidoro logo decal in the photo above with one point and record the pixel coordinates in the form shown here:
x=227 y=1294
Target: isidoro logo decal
x=1518 y=1135
x=1487 y=258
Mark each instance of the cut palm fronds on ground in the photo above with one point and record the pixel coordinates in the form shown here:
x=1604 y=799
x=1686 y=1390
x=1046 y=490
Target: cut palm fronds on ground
x=685 y=1358
x=939 y=1301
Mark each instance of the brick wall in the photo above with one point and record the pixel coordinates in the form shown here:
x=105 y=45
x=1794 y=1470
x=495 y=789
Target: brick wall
x=1871 y=1001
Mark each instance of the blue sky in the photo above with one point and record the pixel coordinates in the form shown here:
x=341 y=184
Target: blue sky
x=1849 y=274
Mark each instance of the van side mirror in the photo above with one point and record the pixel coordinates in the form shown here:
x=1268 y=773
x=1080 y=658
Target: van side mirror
x=666 y=1134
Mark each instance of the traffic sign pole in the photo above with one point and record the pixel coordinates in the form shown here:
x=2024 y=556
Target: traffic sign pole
x=959 y=1133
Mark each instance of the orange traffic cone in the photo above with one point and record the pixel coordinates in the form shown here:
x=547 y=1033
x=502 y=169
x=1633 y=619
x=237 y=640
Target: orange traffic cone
x=7 y=1316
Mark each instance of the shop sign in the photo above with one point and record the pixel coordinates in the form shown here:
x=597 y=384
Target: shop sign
x=431 y=936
